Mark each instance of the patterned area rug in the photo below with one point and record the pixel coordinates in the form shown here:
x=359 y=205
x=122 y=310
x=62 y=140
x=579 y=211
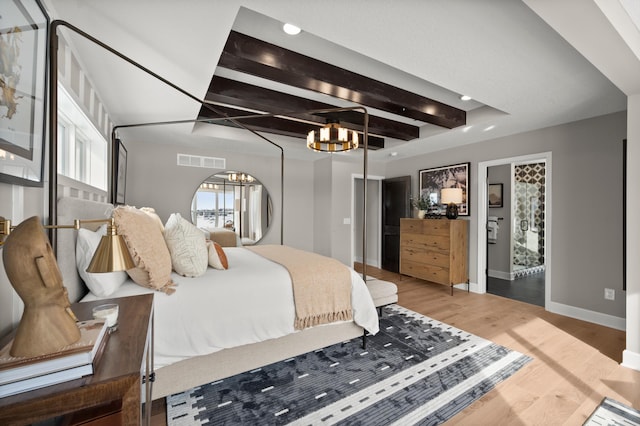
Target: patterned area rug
x=613 y=413
x=416 y=370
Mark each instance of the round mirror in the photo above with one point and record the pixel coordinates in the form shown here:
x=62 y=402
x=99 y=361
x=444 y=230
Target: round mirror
x=232 y=202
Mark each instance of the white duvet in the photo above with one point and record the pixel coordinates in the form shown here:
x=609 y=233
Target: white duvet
x=250 y=302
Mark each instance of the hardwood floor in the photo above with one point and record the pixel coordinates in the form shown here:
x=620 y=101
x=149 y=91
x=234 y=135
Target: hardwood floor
x=575 y=363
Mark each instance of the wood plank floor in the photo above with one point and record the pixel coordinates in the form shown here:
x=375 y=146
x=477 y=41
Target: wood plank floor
x=575 y=364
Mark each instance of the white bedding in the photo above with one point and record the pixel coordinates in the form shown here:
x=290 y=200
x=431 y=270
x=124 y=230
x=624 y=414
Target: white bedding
x=250 y=302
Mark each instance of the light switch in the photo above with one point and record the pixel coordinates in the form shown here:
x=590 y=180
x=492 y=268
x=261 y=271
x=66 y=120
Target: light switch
x=346 y=221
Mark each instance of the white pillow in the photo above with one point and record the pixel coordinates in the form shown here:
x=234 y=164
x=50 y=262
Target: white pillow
x=187 y=246
x=101 y=284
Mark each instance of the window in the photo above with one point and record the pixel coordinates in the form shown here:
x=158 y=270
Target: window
x=82 y=150
x=81 y=158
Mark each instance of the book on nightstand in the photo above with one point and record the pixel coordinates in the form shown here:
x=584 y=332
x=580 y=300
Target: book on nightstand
x=21 y=374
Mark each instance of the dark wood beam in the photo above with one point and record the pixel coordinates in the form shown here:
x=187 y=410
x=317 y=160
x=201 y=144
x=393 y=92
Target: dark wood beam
x=252 y=56
x=247 y=96
x=275 y=125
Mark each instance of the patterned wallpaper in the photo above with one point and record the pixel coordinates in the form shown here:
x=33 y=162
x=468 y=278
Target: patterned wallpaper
x=528 y=235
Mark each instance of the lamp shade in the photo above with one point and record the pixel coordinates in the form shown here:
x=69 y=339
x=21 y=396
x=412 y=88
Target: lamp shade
x=112 y=254
x=451 y=195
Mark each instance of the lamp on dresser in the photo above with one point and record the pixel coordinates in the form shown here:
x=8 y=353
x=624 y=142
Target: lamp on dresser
x=451 y=197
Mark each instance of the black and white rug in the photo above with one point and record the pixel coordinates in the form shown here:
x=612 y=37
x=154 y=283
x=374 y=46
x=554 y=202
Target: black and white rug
x=613 y=413
x=416 y=370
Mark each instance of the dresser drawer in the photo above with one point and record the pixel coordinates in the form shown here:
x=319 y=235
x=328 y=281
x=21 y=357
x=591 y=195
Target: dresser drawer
x=425 y=226
x=423 y=242
x=434 y=273
x=426 y=256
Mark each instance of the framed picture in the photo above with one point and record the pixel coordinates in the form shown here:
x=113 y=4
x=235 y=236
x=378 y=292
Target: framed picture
x=24 y=28
x=121 y=168
x=495 y=195
x=432 y=181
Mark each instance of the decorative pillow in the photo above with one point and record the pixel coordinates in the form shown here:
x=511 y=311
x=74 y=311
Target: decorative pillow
x=147 y=248
x=187 y=246
x=102 y=284
x=152 y=212
x=217 y=257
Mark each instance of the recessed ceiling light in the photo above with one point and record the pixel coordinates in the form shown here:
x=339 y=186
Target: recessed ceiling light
x=467 y=128
x=465 y=98
x=291 y=29
x=393 y=154
x=489 y=128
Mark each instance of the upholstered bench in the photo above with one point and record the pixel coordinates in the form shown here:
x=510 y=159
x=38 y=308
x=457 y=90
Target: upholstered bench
x=382 y=292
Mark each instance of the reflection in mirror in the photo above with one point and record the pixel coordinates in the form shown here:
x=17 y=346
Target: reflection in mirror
x=234 y=201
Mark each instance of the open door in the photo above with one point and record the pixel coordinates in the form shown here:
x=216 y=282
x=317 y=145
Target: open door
x=395 y=204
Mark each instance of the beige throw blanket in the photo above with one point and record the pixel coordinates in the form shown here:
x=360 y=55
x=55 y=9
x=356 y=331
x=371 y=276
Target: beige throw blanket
x=321 y=285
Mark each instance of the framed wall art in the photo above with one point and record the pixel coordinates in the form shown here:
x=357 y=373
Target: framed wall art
x=495 y=195
x=433 y=180
x=24 y=28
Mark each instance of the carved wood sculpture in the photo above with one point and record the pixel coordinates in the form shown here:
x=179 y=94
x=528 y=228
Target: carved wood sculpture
x=47 y=324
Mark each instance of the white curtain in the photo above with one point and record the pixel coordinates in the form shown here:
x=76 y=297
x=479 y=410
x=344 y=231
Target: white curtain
x=255 y=219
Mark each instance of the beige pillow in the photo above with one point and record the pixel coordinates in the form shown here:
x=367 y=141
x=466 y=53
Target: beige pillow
x=187 y=246
x=147 y=247
x=152 y=212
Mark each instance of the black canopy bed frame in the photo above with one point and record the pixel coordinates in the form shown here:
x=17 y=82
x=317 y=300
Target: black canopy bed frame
x=206 y=368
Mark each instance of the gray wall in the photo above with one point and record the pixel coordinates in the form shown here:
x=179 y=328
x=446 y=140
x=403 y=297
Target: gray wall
x=499 y=254
x=586 y=203
x=322 y=206
x=154 y=179
x=373 y=220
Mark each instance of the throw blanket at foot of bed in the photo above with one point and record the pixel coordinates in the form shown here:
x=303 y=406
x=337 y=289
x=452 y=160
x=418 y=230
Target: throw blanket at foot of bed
x=321 y=285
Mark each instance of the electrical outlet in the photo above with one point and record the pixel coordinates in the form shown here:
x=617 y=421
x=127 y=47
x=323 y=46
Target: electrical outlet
x=609 y=294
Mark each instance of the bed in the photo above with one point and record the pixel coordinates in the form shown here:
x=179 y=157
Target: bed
x=199 y=334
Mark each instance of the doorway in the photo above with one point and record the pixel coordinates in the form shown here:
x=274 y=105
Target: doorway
x=515 y=261
x=395 y=205
x=515 y=231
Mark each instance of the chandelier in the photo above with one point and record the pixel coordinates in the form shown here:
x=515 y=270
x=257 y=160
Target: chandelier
x=241 y=178
x=332 y=138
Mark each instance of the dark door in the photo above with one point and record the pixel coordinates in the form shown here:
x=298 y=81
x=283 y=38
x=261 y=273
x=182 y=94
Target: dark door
x=395 y=204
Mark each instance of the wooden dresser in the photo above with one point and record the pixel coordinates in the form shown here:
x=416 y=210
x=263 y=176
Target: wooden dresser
x=435 y=250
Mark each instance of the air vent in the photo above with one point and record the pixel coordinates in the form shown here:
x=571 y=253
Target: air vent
x=200 y=161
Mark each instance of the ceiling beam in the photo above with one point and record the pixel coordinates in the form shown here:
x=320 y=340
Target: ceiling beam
x=256 y=57
x=231 y=92
x=275 y=125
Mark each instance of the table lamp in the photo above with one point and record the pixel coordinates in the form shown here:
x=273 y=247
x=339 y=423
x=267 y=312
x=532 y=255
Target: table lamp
x=451 y=197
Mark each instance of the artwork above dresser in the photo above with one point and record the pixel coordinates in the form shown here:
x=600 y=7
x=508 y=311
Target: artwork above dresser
x=435 y=250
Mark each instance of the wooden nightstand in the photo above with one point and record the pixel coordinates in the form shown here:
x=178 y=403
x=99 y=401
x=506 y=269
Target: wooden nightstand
x=123 y=374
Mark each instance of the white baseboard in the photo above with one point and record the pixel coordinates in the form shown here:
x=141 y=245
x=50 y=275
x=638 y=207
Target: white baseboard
x=631 y=359
x=371 y=262
x=587 y=315
x=500 y=274
x=472 y=287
